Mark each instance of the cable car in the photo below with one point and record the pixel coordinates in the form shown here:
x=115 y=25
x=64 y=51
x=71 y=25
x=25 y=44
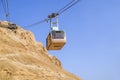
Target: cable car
x=56 y=38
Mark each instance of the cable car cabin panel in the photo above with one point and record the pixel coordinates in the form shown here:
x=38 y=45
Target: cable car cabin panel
x=55 y=40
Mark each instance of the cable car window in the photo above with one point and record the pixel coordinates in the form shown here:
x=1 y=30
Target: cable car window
x=58 y=34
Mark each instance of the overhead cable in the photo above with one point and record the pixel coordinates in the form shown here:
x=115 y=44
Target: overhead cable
x=69 y=5
x=59 y=12
x=36 y=23
x=6 y=8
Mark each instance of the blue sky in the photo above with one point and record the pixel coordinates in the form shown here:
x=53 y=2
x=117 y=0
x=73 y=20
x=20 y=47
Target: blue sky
x=92 y=27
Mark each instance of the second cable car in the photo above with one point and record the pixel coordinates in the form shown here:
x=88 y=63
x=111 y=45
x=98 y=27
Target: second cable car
x=56 y=38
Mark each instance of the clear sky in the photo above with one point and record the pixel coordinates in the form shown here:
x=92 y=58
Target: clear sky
x=92 y=27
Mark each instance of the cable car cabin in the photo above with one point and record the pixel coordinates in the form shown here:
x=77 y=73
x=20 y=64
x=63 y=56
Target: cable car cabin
x=55 y=40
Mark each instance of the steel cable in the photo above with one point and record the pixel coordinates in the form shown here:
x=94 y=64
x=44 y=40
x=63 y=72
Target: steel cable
x=68 y=6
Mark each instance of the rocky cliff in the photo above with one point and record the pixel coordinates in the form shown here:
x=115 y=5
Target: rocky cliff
x=23 y=58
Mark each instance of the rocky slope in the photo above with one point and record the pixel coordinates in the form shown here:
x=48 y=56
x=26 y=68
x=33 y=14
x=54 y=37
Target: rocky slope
x=22 y=58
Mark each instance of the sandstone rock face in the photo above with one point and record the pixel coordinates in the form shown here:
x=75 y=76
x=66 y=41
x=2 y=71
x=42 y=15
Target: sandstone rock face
x=23 y=58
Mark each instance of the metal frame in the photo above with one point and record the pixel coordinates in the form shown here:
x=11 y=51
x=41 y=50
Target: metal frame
x=54 y=25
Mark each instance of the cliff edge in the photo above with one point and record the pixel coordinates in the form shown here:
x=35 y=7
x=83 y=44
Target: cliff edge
x=23 y=58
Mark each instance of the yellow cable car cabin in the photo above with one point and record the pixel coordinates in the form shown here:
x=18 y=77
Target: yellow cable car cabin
x=56 y=39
